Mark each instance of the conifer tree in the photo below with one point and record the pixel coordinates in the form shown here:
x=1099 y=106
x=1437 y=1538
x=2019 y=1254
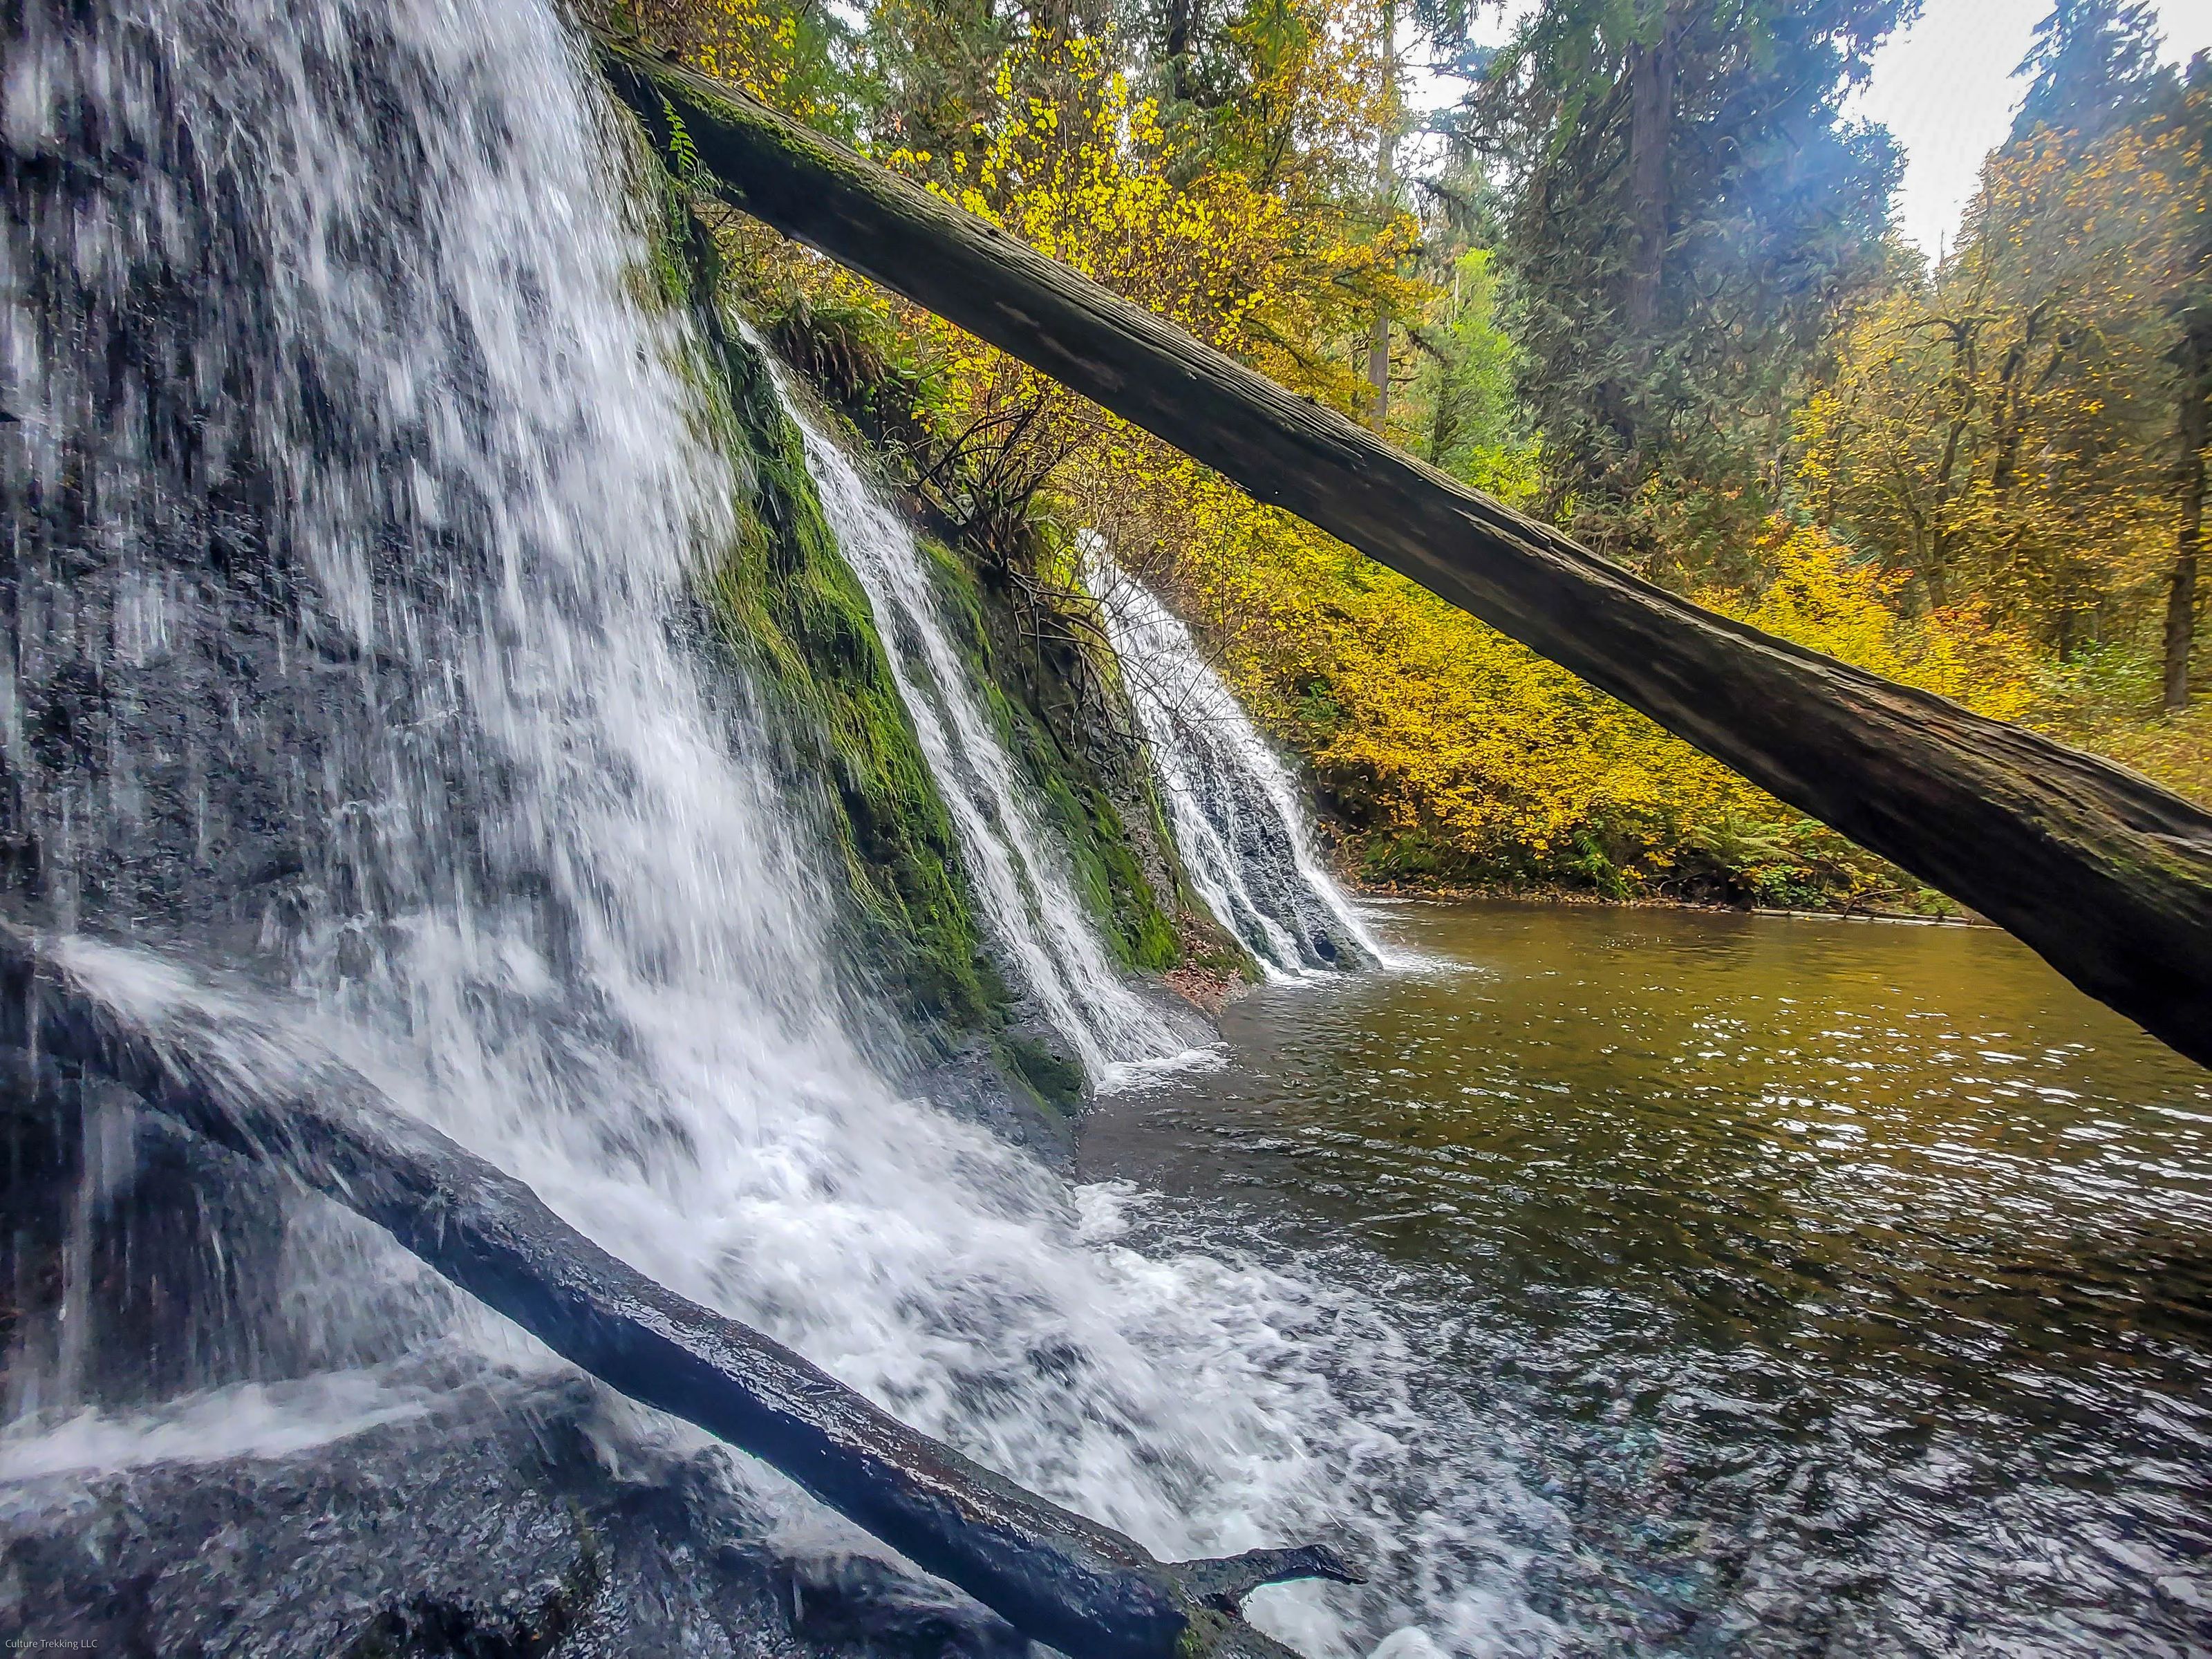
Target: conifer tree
x=2091 y=64
x=1689 y=214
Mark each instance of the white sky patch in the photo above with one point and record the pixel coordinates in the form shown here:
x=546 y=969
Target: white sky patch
x=1494 y=25
x=1944 y=88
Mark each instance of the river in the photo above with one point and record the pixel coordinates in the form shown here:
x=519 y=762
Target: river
x=1787 y=1285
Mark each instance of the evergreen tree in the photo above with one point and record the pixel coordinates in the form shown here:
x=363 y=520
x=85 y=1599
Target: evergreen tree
x=1689 y=215
x=2093 y=64
x=1474 y=430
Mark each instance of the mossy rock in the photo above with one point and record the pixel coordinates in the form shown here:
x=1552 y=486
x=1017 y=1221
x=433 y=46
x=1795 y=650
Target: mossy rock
x=782 y=603
x=1056 y=1077
x=1028 y=680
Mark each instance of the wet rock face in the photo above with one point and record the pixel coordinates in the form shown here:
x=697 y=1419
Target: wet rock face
x=972 y=1083
x=210 y=508
x=473 y=1555
x=139 y=1261
x=491 y=1528
x=851 y=1603
x=135 y=1260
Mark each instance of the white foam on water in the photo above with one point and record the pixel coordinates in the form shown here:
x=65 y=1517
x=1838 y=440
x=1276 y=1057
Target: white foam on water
x=251 y=1419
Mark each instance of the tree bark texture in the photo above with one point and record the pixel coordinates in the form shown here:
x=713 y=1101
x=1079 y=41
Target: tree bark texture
x=2105 y=874
x=2193 y=433
x=1650 y=131
x=1055 y=1575
x=1181 y=19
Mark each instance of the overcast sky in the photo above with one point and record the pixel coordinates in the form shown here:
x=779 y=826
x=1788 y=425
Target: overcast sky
x=1945 y=88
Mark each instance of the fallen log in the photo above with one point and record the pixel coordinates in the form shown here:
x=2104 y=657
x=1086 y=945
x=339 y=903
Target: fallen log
x=1056 y=1575
x=2104 y=873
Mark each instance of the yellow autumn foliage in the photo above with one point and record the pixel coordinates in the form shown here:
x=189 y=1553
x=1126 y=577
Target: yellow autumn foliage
x=1462 y=754
x=1825 y=596
x=779 y=54
x=1272 y=266
x=1445 y=752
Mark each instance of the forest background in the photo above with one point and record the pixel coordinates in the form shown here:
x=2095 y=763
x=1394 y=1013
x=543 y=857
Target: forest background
x=1641 y=277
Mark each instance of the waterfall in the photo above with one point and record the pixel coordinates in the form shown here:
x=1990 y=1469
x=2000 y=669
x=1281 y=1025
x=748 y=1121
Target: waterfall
x=1235 y=808
x=353 y=485
x=1022 y=879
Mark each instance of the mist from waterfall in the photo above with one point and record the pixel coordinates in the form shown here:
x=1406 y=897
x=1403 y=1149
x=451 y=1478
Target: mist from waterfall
x=1238 y=819
x=356 y=487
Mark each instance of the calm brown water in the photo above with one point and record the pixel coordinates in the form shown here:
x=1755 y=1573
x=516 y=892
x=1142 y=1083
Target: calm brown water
x=1816 y=1287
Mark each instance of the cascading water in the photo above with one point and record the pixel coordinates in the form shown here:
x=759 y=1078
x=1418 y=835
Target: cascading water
x=1022 y=881
x=353 y=488
x=1237 y=818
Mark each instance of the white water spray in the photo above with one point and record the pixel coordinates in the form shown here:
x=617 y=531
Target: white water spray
x=1238 y=820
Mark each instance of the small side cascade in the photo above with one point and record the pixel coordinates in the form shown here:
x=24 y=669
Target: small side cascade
x=1235 y=808
x=1021 y=879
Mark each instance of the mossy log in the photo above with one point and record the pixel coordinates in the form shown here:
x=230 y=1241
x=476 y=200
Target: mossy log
x=1056 y=1575
x=2104 y=873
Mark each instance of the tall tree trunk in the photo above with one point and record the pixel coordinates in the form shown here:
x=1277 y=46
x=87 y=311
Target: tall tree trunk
x=2193 y=415
x=1650 y=129
x=1386 y=145
x=2181 y=592
x=1935 y=571
x=2013 y=391
x=1182 y=25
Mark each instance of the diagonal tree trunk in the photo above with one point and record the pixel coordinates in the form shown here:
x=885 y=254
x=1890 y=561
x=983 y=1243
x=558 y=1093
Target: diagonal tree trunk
x=2105 y=874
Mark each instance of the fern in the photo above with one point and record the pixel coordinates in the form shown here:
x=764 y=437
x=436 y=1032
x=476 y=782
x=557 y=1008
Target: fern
x=683 y=153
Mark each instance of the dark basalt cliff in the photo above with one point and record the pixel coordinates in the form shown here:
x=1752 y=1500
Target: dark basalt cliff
x=493 y=1525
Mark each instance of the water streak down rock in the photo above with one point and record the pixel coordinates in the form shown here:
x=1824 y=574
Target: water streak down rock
x=2104 y=873
x=1234 y=807
x=1050 y=943
x=1056 y=1575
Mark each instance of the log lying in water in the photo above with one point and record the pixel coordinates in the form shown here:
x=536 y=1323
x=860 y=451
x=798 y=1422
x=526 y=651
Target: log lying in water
x=1055 y=1575
x=2105 y=874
